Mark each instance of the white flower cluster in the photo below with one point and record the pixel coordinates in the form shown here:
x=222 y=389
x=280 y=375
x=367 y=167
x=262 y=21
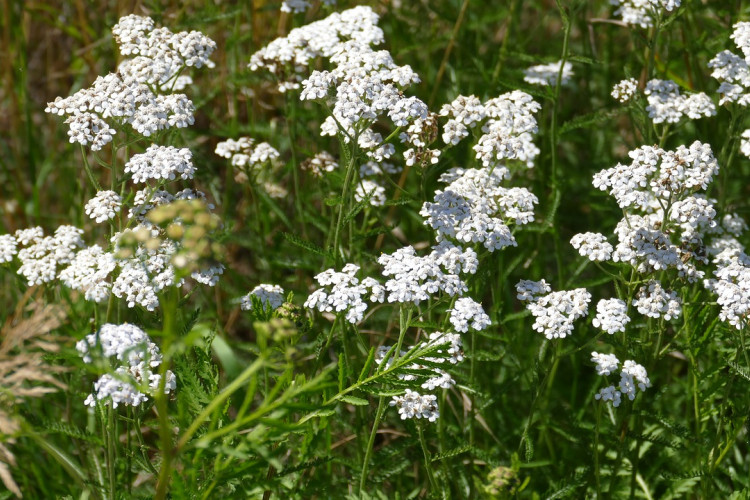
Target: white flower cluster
x=654 y=301
x=8 y=248
x=625 y=90
x=547 y=74
x=89 y=272
x=320 y=164
x=145 y=274
x=139 y=357
x=529 y=291
x=289 y=56
x=371 y=191
x=245 y=153
x=161 y=163
x=554 y=312
x=475 y=208
x=137 y=94
x=508 y=125
x=296 y=6
x=269 y=295
x=414 y=279
x=104 y=206
x=345 y=294
x=632 y=375
x=732 y=70
x=666 y=104
x=592 y=245
x=42 y=256
x=641 y=12
x=658 y=175
x=611 y=315
x=466 y=312
x=414 y=405
x=732 y=286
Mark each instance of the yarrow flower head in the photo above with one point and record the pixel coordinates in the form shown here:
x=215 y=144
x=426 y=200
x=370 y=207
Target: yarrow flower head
x=632 y=376
x=605 y=363
x=269 y=295
x=625 y=90
x=43 y=256
x=89 y=272
x=592 y=245
x=139 y=357
x=468 y=313
x=732 y=70
x=611 y=315
x=641 y=12
x=414 y=279
x=666 y=104
x=139 y=93
x=529 y=290
x=8 y=248
x=474 y=208
x=414 y=405
x=346 y=293
x=104 y=206
x=732 y=286
x=161 y=163
x=556 y=312
x=244 y=152
x=547 y=74
x=655 y=302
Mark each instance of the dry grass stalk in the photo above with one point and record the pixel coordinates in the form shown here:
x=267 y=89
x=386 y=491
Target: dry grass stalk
x=25 y=338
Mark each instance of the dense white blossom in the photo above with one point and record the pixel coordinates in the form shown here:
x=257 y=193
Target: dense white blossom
x=244 y=152
x=344 y=292
x=666 y=104
x=104 y=206
x=468 y=313
x=8 y=248
x=732 y=70
x=654 y=301
x=529 y=290
x=89 y=272
x=609 y=393
x=138 y=357
x=611 y=315
x=414 y=279
x=641 y=12
x=139 y=92
x=269 y=295
x=44 y=255
x=633 y=375
x=555 y=312
x=547 y=74
x=655 y=173
x=605 y=363
x=475 y=208
x=161 y=163
x=625 y=90
x=414 y=405
x=732 y=287
x=321 y=163
x=592 y=245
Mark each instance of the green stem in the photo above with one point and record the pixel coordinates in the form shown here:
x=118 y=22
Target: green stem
x=169 y=308
x=426 y=453
x=371 y=442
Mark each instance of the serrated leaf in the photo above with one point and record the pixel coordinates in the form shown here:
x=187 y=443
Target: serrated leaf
x=451 y=453
x=304 y=244
x=354 y=400
x=587 y=120
x=368 y=364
